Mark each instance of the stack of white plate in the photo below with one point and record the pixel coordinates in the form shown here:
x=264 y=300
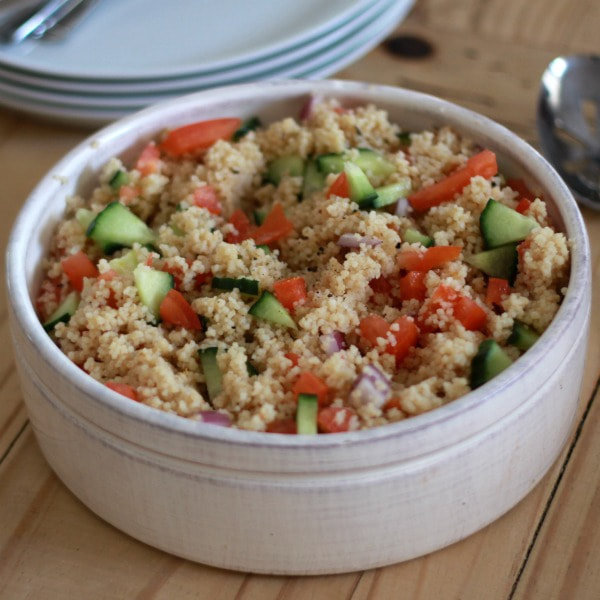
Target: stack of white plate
x=127 y=54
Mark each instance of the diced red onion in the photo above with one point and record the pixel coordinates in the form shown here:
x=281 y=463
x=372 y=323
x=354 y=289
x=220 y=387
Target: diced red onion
x=351 y=240
x=332 y=342
x=402 y=207
x=308 y=106
x=214 y=417
x=371 y=386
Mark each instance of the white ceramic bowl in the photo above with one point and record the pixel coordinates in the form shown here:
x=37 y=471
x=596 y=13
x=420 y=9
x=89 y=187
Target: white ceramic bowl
x=297 y=504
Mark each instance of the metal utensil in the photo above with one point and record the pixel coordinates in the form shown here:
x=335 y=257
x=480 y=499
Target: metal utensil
x=569 y=123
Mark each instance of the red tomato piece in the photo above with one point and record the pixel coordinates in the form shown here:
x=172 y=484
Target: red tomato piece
x=412 y=286
x=176 y=310
x=373 y=327
x=307 y=383
x=406 y=334
x=427 y=259
x=199 y=136
x=521 y=187
x=523 y=206
x=483 y=164
x=242 y=225
x=335 y=419
x=201 y=279
x=469 y=313
x=282 y=426
x=77 y=267
x=497 y=290
x=293 y=357
x=380 y=285
x=339 y=187
x=123 y=388
x=290 y=291
x=149 y=160
x=275 y=226
x=206 y=197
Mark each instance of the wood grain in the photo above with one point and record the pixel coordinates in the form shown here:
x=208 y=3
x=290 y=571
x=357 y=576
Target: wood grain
x=488 y=55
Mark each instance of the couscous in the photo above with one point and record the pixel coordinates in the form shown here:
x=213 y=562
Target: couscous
x=323 y=273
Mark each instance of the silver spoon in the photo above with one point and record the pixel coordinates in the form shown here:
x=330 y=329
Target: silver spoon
x=569 y=123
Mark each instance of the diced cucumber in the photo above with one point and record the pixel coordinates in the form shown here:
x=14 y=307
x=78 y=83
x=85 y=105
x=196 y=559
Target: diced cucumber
x=64 y=312
x=292 y=165
x=488 y=362
x=412 y=236
x=252 y=370
x=259 y=216
x=249 y=287
x=522 y=336
x=330 y=163
x=361 y=190
x=126 y=263
x=314 y=179
x=117 y=227
x=250 y=125
x=390 y=194
x=502 y=225
x=268 y=308
x=499 y=262
x=118 y=179
x=306 y=414
x=84 y=217
x=212 y=373
x=264 y=248
x=370 y=161
x=152 y=287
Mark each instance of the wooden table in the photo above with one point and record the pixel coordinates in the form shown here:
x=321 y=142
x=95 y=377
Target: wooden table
x=488 y=56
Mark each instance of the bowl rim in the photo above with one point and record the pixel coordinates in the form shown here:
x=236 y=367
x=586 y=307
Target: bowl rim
x=25 y=318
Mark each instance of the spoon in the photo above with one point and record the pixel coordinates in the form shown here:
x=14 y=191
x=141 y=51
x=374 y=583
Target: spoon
x=569 y=123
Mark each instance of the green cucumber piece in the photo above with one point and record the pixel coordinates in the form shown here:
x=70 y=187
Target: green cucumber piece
x=330 y=163
x=268 y=308
x=488 y=362
x=118 y=179
x=361 y=190
x=306 y=414
x=499 y=262
x=522 y=336
x=65 y=310
x=390 y=194
x=292 y=165
x=250 y=125
x=314 y=179
x=212 y=373
x=502 y=225
x=152 y=287
x=370 y=161
x=126 y=263
x=117 y=227
x=264 y=248
x=412 y=236
x=249 y=287
x=84 y=217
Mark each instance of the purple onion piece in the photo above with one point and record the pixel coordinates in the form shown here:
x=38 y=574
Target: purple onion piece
x=351 y=240
x=307 y=108
x=402 y=207
x=371 y=386
x=332 y=342
x=214 y=417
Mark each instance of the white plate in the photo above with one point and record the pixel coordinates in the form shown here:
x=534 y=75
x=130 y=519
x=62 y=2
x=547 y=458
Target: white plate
x=183 y=84
x=322 y=66
x=137 y=39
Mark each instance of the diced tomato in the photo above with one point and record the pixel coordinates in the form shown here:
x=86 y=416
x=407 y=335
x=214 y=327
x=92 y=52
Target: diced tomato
x=469 y=313
x=123 y=388
x=176 y=271
x=393 y=402
x=497 y=290
x=335 y=419
x=307 y=383
x=282 y=426
x=380 y=285
x=290 y=291
x=412 y=286
x=128 y=193
x=523 y=206
x=406 y=335
x=275 y=226
x=242 y=225
x=176 y=310
x=199 y=136
x=339 y=187
x=373 y=327
x=429 y=258
x=521 y=187
x=293 y=357
x=149 y=160
x=206 y=197
x=201 y=279
x=483 y=164
x=77 y=267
